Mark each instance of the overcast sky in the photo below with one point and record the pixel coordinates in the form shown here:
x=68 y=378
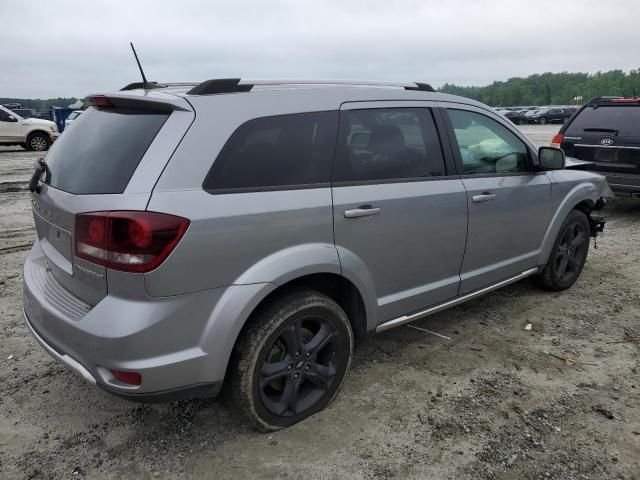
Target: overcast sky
x=74 y=47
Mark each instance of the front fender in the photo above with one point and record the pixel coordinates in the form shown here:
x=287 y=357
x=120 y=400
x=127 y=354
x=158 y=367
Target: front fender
x=567 y=195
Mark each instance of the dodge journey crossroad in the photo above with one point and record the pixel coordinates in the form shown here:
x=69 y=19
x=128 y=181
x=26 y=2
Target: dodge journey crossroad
x=241 y=235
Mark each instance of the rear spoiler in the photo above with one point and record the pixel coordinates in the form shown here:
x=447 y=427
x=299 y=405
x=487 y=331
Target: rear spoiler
x=150 y=101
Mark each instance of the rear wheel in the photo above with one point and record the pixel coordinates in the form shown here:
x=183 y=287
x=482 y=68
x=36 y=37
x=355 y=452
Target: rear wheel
x=543 y=121
x=569 y=254
x=38 y=142
x=291 y=360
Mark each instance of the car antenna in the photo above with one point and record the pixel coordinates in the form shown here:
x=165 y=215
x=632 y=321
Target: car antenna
x=145 y=83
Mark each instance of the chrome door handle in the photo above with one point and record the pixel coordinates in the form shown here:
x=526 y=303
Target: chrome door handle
x=362 y=211
x=484 y=198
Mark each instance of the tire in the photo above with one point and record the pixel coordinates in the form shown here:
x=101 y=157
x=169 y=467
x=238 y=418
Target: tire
x=38 y=142
x=568 y=255
x=542 y=121
x=298 y=383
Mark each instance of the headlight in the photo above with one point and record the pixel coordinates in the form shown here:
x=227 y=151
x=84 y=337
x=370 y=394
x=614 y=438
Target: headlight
x=53 y=128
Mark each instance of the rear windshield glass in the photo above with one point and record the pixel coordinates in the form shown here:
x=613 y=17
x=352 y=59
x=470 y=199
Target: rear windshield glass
x=99 y=152
x=624 y=119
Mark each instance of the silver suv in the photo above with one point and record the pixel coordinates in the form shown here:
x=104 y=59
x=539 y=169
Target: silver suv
x=245 y=232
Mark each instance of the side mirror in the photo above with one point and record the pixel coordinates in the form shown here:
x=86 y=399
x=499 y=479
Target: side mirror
x=11 y=119
x=551 y=158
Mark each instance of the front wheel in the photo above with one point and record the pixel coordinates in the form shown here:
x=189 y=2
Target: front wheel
x=38 y=142
x=542 y=121
x=291 y=360
x=569 y=254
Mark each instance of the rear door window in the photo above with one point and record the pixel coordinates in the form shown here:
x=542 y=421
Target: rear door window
x=383 y=144
x=278 y=152
x=102 y=151
x=625 y=119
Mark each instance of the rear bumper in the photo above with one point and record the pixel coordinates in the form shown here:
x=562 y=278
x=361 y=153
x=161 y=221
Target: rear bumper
x=160 y=338
x=61 y=357
x=211 y=389
x=623 y=184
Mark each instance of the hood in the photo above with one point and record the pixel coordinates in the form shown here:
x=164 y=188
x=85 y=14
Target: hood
x=39 y=122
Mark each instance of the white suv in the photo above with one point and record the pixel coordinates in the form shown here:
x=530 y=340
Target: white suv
x=30 y=133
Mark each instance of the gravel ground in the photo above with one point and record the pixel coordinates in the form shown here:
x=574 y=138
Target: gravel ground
x=494 y=402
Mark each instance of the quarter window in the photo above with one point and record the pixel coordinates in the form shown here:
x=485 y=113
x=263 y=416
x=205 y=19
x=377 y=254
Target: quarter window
x=276 y=152
x=486 y=146
x=387 y=144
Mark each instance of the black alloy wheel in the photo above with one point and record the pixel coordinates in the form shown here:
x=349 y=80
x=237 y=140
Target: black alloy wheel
x=290 y=361
x=569 y=253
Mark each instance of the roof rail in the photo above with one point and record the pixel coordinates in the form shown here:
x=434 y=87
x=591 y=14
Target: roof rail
x=220 y=85
x=229 y=85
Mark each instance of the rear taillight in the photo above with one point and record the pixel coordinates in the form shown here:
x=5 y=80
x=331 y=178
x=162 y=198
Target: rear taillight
x=130 y=241
x=625 y=100
x=100 y=101
x=556 y=141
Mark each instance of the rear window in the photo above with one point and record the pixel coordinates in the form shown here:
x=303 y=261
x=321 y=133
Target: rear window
x=279 y=152
x=624 y=118
x=102 y=150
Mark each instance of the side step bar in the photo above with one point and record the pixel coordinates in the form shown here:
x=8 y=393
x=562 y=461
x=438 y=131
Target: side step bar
x=396 y=322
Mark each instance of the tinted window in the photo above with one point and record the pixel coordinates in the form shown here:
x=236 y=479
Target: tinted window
x=102 y=150
x=280 y=151
x=625 y=119
x=4 y=116
x=486 y=146
x=387 y=144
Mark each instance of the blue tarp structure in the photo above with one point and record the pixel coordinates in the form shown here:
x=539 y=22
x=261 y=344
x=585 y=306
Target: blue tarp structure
x=59 y=115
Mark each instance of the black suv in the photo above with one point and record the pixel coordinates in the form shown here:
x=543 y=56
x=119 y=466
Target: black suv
x=550 y=115
x=606 y=131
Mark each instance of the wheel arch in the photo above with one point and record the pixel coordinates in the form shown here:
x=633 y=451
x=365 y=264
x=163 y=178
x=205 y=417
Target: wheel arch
x=38 y=130
x=581 y=197
x=313 y=266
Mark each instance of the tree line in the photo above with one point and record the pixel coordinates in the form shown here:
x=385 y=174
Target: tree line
x=552 y=88
x=539 y=89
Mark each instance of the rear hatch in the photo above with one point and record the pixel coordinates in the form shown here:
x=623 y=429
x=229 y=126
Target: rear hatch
x=110 y=160
x=607 y=134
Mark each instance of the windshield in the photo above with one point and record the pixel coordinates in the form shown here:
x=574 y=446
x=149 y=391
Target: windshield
x=621 y=118
x=102 y=150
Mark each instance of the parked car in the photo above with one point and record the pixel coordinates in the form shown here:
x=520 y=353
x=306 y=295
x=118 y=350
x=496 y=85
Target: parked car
x=529 y=115
x=549 y=115
x=516 y=116
x=24 y=112
x=606 y=132
x=72 y=116
x=30 y=133
x=245 y=232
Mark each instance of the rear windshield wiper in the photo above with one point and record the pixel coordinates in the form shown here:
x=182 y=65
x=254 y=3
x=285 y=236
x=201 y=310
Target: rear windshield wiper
x=601 y=129
x=41 y=167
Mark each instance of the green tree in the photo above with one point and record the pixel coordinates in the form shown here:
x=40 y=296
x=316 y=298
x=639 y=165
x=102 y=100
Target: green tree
x=551 y=88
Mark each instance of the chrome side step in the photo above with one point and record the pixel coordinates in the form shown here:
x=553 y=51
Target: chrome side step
x=396 y=322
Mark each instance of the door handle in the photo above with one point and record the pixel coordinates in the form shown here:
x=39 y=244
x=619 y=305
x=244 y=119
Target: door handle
x=485 y=197
x=362 y=211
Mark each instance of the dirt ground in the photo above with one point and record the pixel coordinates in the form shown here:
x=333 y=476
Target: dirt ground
x=494 y=402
